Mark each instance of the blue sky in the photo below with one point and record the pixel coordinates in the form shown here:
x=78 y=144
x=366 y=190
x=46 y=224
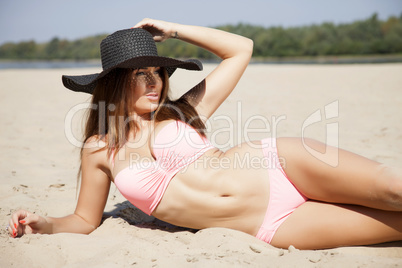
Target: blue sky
x=41 y=20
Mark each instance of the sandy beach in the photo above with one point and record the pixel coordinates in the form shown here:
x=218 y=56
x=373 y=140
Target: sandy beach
x=358 y=106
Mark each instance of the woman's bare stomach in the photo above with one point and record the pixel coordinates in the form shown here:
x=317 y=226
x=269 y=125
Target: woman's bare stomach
x=228 y=189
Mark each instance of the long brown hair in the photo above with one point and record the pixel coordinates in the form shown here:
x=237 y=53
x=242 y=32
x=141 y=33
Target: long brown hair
x=109 y=116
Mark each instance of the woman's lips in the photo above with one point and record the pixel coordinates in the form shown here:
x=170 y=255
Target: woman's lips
x=153 y=96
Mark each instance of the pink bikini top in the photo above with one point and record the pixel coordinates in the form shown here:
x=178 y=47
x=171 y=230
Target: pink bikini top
x=176 y=146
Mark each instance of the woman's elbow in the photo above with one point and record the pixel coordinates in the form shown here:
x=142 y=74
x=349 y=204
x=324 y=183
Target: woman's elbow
x=248 y=47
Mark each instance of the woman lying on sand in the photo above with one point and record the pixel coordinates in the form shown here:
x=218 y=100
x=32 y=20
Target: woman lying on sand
x=155 y=151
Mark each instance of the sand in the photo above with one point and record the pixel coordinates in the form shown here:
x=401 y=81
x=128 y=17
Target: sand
x=39 y=162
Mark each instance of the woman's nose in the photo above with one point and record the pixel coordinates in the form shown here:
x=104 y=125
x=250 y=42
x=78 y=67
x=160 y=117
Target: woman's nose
x=151 y=79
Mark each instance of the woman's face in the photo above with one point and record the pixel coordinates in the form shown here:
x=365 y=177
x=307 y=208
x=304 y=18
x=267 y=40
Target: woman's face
x=146 y=85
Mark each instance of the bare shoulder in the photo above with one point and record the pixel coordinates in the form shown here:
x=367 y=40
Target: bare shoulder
x=94 y=155
x=93 y=144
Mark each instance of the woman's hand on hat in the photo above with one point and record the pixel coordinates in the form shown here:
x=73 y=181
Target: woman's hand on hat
x=160 y=30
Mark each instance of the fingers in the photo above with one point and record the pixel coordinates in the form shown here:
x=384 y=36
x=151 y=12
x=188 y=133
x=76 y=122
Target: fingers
x=11 y=229
x=160 y=30
x=143 y=23
x=29 y=219
x=17 y=218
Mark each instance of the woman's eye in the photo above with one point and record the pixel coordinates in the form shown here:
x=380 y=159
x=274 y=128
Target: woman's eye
x=157 y=73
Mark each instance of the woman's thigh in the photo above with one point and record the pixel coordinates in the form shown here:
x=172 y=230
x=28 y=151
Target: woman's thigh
x=317 y=225
x=338 y=176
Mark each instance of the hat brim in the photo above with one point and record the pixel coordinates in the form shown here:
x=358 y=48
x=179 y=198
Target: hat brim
x=87 y=83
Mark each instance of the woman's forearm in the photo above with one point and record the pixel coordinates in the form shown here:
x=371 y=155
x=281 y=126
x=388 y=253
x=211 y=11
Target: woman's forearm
x=68 y=224
x=221 y=43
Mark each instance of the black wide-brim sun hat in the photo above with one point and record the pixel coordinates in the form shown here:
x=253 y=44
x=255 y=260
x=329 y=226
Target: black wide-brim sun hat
x=131 y=48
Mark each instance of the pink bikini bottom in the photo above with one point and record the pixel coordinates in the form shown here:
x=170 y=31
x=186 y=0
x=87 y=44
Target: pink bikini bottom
x=284 y=197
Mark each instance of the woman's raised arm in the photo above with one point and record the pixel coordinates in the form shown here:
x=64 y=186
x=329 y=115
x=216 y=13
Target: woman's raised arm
x=234 y=50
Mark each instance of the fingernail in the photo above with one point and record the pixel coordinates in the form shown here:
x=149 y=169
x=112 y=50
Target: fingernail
x=22 y=221
x=14 y=233
x=15 y=225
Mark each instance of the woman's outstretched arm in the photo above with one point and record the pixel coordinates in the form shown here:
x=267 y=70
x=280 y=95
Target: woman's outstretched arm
x=234 y=50
x=25 y=222
x=94 y=190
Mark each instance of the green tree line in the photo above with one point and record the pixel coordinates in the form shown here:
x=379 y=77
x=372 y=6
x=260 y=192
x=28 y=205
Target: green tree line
x=363 y=37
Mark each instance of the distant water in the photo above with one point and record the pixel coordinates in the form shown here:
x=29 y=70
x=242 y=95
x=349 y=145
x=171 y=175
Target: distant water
x=47 y=64
x=333 y=60
x=317 y=60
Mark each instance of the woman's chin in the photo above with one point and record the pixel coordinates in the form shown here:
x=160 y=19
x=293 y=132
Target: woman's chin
x=147 y=110
x=153 y=107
